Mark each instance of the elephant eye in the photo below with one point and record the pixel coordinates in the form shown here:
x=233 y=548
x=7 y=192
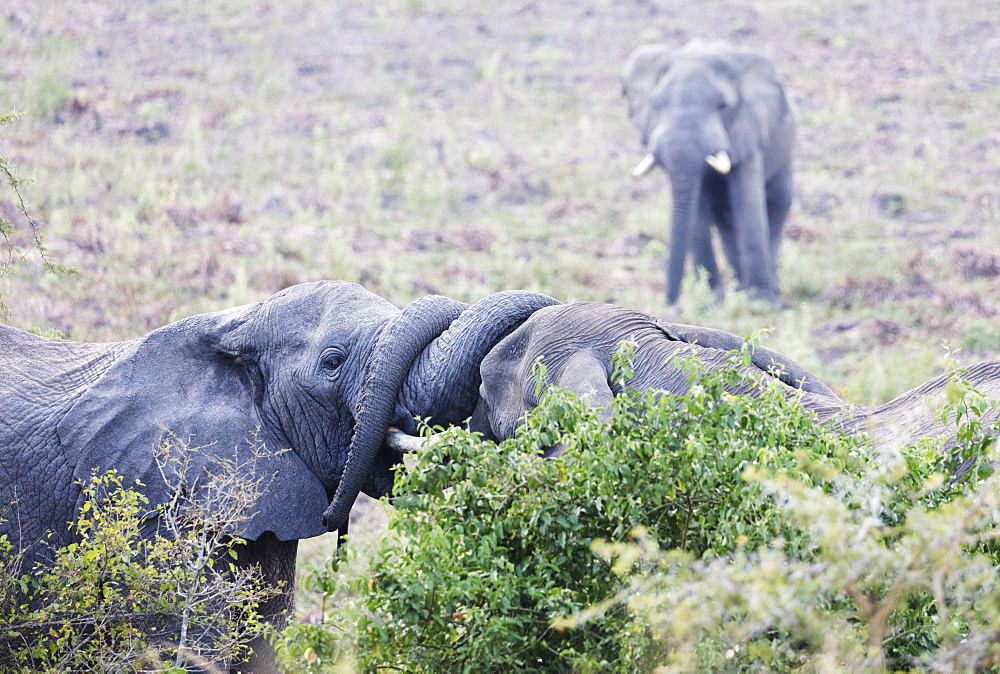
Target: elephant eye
x=332 y=358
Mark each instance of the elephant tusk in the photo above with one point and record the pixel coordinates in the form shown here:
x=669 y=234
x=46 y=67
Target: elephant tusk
x=720 y=162
x=403 y=443
x=644 y=167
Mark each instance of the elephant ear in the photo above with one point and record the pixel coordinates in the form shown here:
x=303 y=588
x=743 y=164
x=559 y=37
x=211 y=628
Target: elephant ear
x=643 y=70
x=762 y=109
x=184 y=383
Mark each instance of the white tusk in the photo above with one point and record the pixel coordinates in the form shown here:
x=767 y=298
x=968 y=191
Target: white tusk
x=644 y=167
x=720 y=162
x=403 y=443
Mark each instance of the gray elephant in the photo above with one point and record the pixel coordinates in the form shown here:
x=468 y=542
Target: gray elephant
x=576 y=342
x=719 y=123
x=316 y=368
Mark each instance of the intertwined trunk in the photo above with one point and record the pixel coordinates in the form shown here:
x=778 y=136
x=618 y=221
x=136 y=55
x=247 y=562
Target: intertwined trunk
x=397 y=347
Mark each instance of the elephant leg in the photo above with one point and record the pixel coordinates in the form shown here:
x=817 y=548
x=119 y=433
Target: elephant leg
x=701 y=242
x=722 y=215
x=780 y=190
x=276 y=560
x=748 y=203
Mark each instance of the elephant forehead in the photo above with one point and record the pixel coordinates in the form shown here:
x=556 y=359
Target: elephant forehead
x=556 y=333
x=585 y=322
x=696 y=80
x=316 y=308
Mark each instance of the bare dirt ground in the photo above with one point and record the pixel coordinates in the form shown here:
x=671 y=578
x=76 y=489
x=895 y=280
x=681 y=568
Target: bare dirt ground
x=189 y=157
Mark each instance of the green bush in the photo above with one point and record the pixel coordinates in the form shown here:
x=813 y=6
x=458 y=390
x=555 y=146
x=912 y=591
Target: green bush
x=493 y=545
x=489 y=546
x=903 y=574
x=124 y=598
x=730 y=532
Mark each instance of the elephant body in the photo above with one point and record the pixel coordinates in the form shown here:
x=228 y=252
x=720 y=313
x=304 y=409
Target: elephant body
x=284 y=374
x=576 y=341
x=717 y=120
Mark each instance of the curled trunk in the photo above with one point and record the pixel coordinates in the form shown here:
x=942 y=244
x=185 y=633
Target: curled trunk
x=397 y=347
x=443 y=386
x=911 y=416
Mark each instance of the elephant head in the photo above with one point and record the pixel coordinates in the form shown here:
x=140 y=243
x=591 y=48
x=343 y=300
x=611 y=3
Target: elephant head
x=576 y=342
x=282 y=390
x=287 y=373
x=718 y=122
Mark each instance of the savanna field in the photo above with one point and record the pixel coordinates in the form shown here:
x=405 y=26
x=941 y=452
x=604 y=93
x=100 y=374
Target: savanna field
x=189 y=157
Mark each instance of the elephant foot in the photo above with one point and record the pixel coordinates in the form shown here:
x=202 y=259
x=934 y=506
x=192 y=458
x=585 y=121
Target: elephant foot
x=764 y=297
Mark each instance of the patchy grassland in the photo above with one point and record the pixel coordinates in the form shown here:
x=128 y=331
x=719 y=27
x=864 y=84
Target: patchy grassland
x=189 y=157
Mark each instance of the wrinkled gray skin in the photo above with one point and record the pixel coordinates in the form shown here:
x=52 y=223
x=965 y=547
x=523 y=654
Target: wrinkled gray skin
x=324 y=369
x=441 y=386
x=696 y=102
x=294 y=366
x=576 y=341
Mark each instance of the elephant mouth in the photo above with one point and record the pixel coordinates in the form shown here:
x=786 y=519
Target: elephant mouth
x=395 y=446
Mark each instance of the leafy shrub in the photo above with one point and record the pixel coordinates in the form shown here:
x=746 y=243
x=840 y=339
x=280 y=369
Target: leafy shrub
x=730 y=533
x=903 y=573
x=122 y=597
x=489 y=545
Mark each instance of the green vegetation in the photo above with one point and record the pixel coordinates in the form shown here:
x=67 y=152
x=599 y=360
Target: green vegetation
x=123 y=598
x=705 y=532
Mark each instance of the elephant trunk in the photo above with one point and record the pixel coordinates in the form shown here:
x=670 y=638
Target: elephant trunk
x=397 y=347
x=443 y=385
x=686 y=189
x=909 y=417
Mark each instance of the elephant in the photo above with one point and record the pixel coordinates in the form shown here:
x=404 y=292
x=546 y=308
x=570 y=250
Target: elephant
x=576 y=342
x=478 y=372
x=315 y=369
x=718 y=121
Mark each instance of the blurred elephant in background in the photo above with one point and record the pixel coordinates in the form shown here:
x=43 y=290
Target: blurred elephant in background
x=719 y=123
x=313 y=374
